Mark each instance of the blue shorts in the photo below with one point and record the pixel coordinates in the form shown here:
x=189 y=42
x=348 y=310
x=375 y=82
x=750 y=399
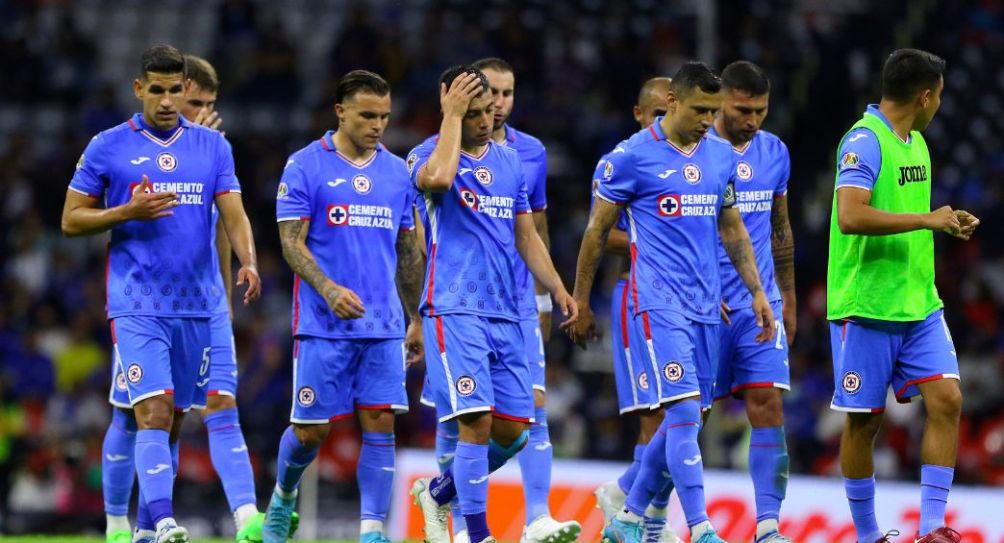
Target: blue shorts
x=156 y=356
x=332 y=378
x=631 y=361
x=685 y=353
x=222 y=365
x=870 y=355
x=476 y=364
x=533 y=341
x=743 y=363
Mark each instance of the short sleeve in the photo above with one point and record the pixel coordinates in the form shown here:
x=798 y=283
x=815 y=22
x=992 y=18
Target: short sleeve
x=729 y=190
x=782 y=183
x=860 y=160
x=226 y=179
x=522 y=203
x=408 y=208
x=616 y=180
x=537 y=183
x=292 y=201
x=91 y=173
x=416 y=159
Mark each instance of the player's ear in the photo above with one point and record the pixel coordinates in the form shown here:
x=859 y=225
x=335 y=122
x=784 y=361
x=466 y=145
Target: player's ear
x=137 y=88
x=340 y=112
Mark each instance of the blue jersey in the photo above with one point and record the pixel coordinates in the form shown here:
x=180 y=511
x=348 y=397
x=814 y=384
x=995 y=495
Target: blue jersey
x=355 y=211
x=163 y=267
x=470 y=234
x=860 y=155
x=533 y=158
x=223 y=306
x=762 y=170
x=672 y=200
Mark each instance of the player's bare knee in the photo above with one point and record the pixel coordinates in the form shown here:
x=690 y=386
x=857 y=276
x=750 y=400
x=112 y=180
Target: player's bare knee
x=219 y=402
x=649 y=422
x=377 y=420
x=538 y=398
x=475 y=427
x=863 y=425
x=764 y=407
x=944 y=402
x=506 y=432
x=311 y=435
x=156 y=413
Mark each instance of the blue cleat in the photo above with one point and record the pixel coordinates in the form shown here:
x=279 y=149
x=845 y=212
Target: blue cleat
x=373 y=537
x=710 y=537
x=622 y=531
x=278 y=519
x=774 y=537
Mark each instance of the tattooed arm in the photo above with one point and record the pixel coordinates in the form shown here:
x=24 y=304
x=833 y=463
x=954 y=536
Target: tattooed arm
x=736 y=241
x=782 y=244
x=410 y=272
x=601 y=219
x=344 y=302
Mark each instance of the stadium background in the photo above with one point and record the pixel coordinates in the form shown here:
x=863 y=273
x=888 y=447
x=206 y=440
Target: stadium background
x=67 y=69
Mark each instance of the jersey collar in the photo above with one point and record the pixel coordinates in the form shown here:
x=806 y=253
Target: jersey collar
x=655 y=130
x=328 y=142
x=873 y=109
x=745 y=147
x=160 y=137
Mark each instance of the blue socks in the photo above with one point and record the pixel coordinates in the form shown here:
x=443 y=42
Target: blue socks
x=650 y=481
x=155 y=468
x=375 y=473
x=861 y=497
x=447 y=435
x=768 y=465
x=535 y=465
x=935 y=482
x=118 y=468
x=444 y=488
x=470 y=468
x=293 y=460
x=626 y=480
x=683 y=456
x=230 y=457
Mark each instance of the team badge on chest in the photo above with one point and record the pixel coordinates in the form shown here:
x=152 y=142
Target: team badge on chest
x=744 y=171
x=362 y=184
x=692 y=174
x=167 y=162
x=483 y=175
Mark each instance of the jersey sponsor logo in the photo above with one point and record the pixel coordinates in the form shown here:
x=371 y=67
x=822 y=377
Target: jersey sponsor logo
x=306 y=396
x=412 y=160
x=167 y=162
x=362 y=184
x=466 y=385
x=673 y=372
x=666 y=174
x=669 y=205
x=750 y=201
x=188 y=193
x=608 y=169
x=120 y=382
x=496 y=207
x=366 y=216
x=643 y=381
x=744 y=171
x=851 y=382
x=134 y=188
x=483 y=175
x=469 y=199
x=849 y=160
x=338 y=215
x=691 y=174
x=134 y=373
x=283 y=191
x=912 y=174
x=687 y=205
x=139 y=160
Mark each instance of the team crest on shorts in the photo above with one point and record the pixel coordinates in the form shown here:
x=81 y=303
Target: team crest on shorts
x=643 y=381
x=673 y=372
x=306 y=397
x=466 y=385
x=362 y=184
x=483 y=175
x=851 y=382
x=744 y=171
x=166 y=162
x=120 y=382
x=134 y=373
x=691 y=174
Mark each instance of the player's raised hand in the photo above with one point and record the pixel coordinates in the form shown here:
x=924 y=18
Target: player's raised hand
x=414 y=343
x=345 y=303
x=764 y=317
x=209 y=119
x=724 y=309
x=457 y=98
x=967 y=222
x=248 y=274
x=146 y=205
x=944 y=220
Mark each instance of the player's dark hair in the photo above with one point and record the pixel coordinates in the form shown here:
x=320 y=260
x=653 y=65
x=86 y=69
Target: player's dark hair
x=454 y=72
x=695 y=75
x=493 y=63
x=653 y=85
x=358 y=81
x=744 y=76
x=909 y=71
x=162 y=59
x=202 y=73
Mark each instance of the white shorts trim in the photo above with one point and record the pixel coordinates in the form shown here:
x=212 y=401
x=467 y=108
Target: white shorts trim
x=836 y=407
x=664 y=401
x=161 y=392
x=541 y=388
x=455 y=414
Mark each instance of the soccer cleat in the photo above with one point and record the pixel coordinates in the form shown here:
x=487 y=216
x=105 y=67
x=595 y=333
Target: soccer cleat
x=143 y=536
x=118 y=536
x=887 y=538
x=544 y=529
x=251 y=533
x=277 y=526
x=657 y=530
x=171 y=533
x=373 y=537
x=622 y=531
x=489 y=539
x=710 y=537
x=941 y=535
x=609 y=499
x=462 y=537
x=774 y=537
x=437 y=517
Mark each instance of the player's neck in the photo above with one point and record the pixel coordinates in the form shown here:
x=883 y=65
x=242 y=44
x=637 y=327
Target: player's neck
x=900 y=117
x=677 y=140
x=148 y=124
x=498 y=135
x=723 y=133
x=344 y=145
x=473 y=150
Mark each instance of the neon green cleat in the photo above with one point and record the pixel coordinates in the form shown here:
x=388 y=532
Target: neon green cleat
x=252 y=530
x=119 y=536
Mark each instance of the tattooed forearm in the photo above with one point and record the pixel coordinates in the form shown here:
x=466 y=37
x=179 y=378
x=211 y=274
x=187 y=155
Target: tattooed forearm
x=740 y=252
x=782 y=244
x=593 y=242
x=410 y=272
x=292 y=234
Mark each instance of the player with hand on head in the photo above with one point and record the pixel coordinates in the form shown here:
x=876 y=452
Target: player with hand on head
x=887 y=324
x=344 y=208
x=478 y=224
x=152 y=181
x=676 y=185
x=756 y=371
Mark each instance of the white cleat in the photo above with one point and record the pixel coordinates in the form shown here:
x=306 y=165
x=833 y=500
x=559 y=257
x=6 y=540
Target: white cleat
x=437 y=517
x=609 y=499
x=462 y=537
x=669 y=536
x=171 y=533
x=545 y=529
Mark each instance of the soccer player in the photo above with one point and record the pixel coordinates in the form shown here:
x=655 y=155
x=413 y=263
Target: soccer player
x=161 y=282
x=631 y=368
x=478 y=223
x=758 y=371
x=887 y=325
x=676 y=185
x=344 y=209
x=226 y=442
